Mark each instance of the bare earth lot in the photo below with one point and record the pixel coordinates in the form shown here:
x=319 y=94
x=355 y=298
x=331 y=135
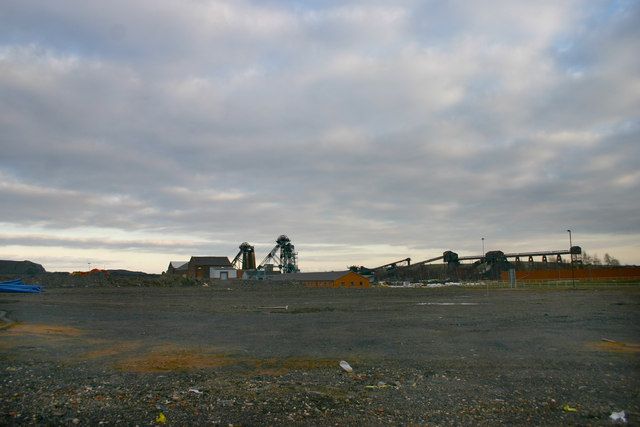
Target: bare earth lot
x=220 y=355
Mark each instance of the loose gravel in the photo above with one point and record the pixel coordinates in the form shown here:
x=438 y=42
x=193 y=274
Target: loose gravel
x=216 y=356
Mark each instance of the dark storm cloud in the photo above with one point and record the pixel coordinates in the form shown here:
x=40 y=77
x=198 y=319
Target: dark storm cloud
x=367 y=122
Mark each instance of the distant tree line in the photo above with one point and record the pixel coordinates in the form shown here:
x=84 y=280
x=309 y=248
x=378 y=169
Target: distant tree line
x=595 y=260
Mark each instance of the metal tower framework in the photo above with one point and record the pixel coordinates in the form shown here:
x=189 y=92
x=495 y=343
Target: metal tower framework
x=248 y=256
x=283 y=256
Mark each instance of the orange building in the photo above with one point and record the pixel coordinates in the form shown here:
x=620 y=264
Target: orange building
x=327 y=279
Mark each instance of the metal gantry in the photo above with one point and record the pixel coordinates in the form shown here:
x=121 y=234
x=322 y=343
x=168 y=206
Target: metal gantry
x=247 y=255
x=283 y=256
x=493 y=259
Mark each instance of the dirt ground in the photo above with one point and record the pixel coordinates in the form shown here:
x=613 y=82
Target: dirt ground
x=269 y=354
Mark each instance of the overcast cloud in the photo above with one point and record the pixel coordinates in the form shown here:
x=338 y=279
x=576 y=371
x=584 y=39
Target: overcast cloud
x=135 y=132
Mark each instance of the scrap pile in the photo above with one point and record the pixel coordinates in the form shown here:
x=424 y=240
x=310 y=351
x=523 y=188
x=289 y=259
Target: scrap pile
x=92 y=272
x=19 y=286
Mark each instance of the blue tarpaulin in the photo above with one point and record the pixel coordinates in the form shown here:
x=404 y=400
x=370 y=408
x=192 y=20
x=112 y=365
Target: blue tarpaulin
x=18 y=286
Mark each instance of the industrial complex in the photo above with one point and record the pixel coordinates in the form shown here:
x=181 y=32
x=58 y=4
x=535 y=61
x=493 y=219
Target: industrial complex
x=281 y=264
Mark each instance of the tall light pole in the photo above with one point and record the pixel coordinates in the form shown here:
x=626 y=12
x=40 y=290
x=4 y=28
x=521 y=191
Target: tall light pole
x=484 y=260
x=573 y=277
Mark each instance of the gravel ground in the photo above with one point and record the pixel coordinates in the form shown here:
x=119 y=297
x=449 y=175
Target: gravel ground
x=235 y=355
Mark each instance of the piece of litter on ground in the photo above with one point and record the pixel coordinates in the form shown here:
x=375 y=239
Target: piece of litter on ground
x=567 y=408
x=278 y=307
x=608 y=340
x=195 y=390
x=381 y=384
x=618 y=416
x=344 y=365
x=161 y=419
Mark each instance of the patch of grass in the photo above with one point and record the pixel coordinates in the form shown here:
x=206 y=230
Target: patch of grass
x=616 y=346
x=115 y=349
x=172 y=358
x=166 y=358
x=43 y=329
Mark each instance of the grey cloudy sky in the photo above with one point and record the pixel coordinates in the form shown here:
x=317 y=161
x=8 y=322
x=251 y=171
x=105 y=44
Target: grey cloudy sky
x=135 y=132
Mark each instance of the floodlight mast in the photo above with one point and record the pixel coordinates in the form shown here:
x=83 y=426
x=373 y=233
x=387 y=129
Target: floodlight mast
x=573 y=277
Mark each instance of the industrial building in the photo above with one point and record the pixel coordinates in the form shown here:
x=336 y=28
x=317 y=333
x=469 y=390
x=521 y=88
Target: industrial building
x=210 y=267
x=328 y=279
x=178 y=267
